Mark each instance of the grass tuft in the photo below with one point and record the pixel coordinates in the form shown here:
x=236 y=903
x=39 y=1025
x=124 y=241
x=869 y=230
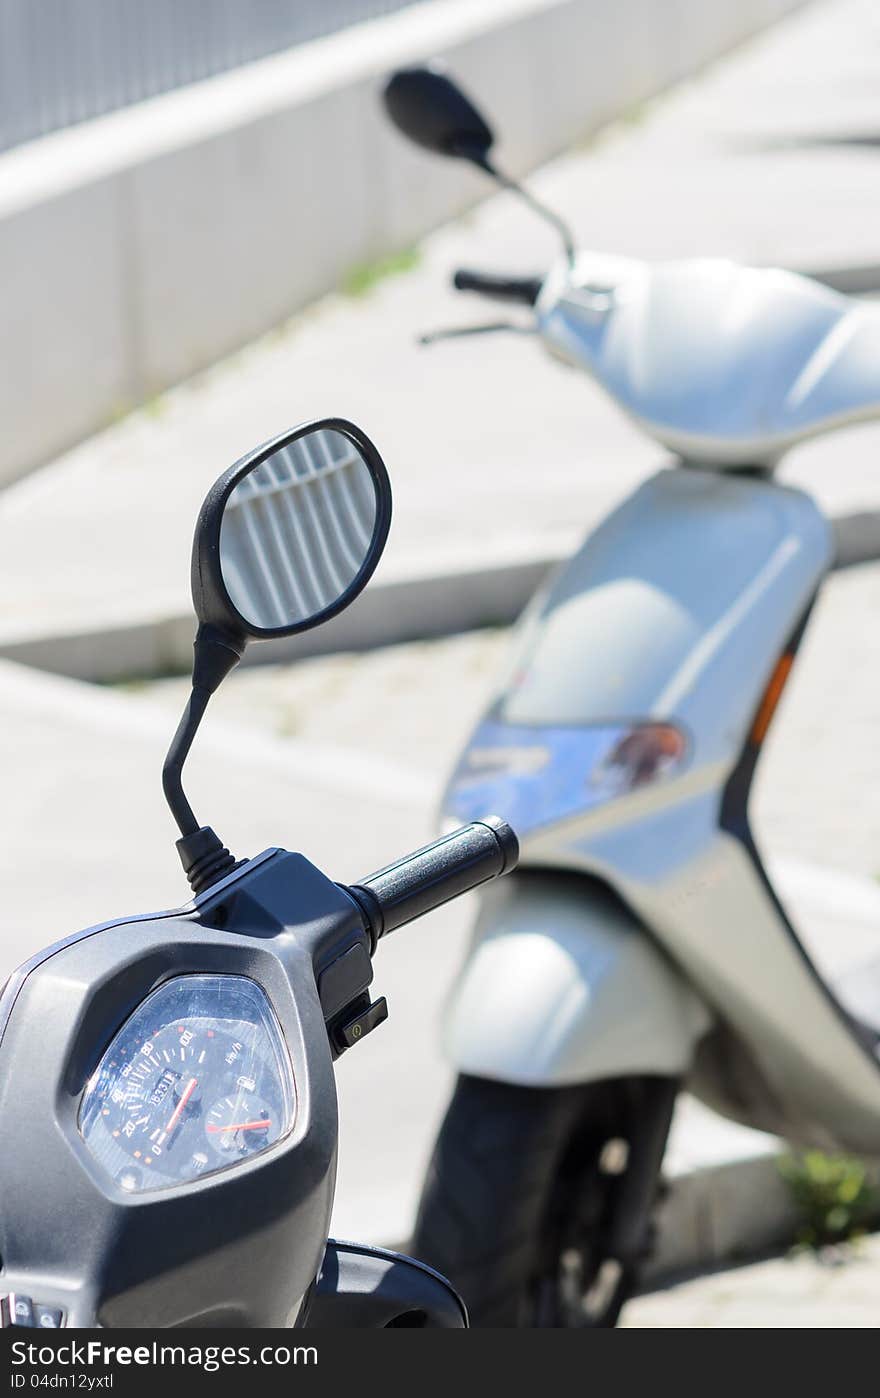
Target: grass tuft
x=365 y=277
x=834 y=1194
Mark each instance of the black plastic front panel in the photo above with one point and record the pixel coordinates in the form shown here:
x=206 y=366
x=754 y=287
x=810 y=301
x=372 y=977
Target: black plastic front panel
x=237 y=1248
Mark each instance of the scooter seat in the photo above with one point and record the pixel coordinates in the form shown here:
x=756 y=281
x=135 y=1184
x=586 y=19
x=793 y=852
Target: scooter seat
x=721 y=363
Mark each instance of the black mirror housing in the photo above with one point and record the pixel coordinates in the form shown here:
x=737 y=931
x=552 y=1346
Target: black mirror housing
x=216 y=611
x=430 y=109
x=285 y=540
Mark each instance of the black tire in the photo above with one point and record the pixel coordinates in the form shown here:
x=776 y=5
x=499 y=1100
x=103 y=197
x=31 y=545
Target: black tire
x=516 y=1189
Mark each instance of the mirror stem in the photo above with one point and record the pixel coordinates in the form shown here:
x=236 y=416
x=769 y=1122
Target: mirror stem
x=514 y=187
x=204 y=857
x=214 y=655
x=172 y=772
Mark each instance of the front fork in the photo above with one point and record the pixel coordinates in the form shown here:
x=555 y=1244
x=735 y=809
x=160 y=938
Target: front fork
x=600 y=1231
x=630 y=1236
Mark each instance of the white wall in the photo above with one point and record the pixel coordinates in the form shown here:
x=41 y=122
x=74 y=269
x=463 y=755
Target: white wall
x=137 y=248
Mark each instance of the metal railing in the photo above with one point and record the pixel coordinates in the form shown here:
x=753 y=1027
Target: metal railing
x=64 y=61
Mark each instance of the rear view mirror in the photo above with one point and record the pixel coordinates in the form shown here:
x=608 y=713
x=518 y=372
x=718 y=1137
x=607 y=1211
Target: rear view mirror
x=286 y=538
x=430 y=109
x=292 y=533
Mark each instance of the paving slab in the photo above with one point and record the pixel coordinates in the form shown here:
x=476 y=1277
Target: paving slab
x=768 y=156
x=801 y=1291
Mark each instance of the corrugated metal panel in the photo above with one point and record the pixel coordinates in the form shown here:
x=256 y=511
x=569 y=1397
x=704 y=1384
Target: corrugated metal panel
x=63 y=61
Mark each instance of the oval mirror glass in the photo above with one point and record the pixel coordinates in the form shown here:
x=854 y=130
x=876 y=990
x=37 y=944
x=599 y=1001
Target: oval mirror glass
x=301 y=530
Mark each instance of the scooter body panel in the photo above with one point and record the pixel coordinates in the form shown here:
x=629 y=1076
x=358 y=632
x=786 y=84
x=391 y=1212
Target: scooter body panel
x=675 y=611
x=676 y=608
x=562 y=986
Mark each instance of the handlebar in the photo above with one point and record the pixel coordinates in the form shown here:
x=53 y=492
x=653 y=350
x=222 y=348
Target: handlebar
x=435 y=874
x=523 y=290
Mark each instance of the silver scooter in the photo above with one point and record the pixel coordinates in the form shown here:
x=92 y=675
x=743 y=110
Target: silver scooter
x=643 y=945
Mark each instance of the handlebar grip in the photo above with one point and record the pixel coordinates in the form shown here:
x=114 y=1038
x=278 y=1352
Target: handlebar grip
x=438 y=872
x=524 y=290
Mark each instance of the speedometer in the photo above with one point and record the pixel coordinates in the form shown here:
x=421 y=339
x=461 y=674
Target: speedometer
x=197 y=1080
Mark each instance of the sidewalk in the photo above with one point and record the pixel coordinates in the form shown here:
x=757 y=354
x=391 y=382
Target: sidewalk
x=343 y=758
x=335 y=757
x=767 y=157
x=789 y=1293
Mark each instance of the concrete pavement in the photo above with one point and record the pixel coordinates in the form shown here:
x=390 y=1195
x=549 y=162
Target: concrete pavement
x=342 y=760
x=802 y=1292
x=767 y=157
x=343 y=757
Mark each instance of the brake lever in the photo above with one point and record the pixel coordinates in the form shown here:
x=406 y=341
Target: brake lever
x=460 y=332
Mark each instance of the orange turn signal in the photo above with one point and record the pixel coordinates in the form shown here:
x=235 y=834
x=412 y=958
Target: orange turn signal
x=772 y=695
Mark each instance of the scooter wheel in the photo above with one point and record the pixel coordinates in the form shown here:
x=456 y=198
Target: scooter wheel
x=519 y=1202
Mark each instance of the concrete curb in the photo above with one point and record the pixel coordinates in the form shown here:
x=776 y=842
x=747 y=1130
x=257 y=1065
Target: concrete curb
x=440 y=602
x=721 y=1213
x=724 y=1213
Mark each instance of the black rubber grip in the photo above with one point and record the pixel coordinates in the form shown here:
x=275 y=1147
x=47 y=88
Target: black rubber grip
x=523 y=290
x=437 y=873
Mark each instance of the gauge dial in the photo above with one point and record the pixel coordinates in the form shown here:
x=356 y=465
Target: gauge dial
x=239 y=1124
x=197 y=1080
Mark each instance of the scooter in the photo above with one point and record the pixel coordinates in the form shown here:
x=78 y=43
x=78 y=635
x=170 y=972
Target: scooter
x=643 y=947
x=167 y=1095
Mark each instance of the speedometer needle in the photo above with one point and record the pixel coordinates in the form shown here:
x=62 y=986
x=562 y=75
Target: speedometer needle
x=240 y=1126
x=178 y=1110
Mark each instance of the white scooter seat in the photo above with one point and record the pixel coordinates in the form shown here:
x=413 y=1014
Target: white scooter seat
x=722 y=364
